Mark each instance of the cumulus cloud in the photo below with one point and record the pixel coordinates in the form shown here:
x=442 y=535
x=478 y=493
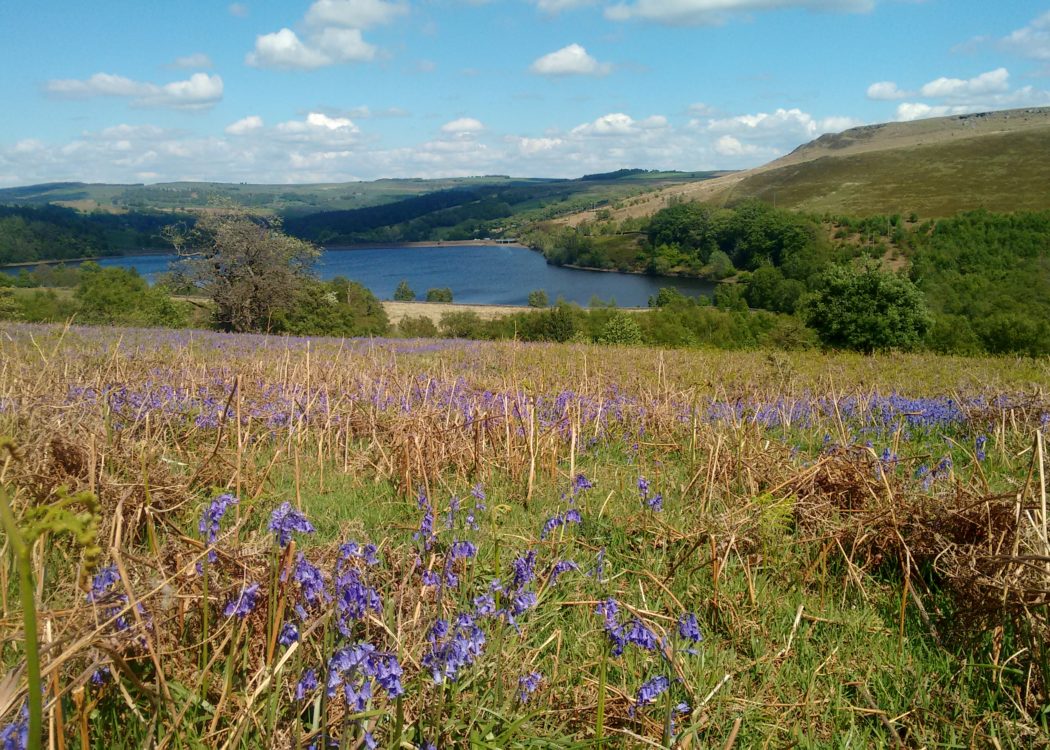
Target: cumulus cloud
x=331 y=145
x=196 y=60
x=992 y=82
x=983 y=93
x=1032 y=40
x=245 y=125
x=570 y=60
x=284 y=49
x=463 y=126
x=333 y=36
x=354 y=14
x=553 y=7
x=886 y=91
x=199 y=91
x=713 y=12
x=781 y=126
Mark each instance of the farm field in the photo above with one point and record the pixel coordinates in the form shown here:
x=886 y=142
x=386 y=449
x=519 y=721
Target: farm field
x=244 y=541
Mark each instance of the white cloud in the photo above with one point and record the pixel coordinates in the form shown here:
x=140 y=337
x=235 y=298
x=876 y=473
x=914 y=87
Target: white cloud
x=1032 y=40
x=245 y=125
x=463 y=126
x=284 y=49
x=886 y=91
x=781 y=126
x=713 y=12
x=615 y=123
x=993 y=82
x=553 y=7
x=199 y=91
x=196 y=60
x=728 y=145
x=354 y=14
x=570 y=60
x=701 y=110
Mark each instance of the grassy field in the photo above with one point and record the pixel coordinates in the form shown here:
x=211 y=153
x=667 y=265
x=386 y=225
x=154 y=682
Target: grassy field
x=574 y=546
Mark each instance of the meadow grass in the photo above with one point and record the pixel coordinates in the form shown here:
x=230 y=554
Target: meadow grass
x=861 y=540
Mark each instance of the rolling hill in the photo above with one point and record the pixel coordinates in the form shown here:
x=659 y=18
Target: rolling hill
x=934 y=167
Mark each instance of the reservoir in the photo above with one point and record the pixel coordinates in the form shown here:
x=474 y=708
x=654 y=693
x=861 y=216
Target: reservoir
x=476 y=274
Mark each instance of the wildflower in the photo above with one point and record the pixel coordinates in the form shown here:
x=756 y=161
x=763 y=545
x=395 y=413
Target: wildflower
x=453 y=508
x=980 y=443
x=306 y=685
x=656 y=502
x=524 y=569
x=244 y=603
x=580 y=483
x=369 y=554
x=98 y=678
x=562 y=566
x=650 y=689
x=286 y=520
x=463 y=550
x=527 y=685
x=452 y=648
x=289 y=634
x=102 y=582
x=209 y=523
x=688 y=628
x=388 y=674
x=353 y=599
x=608 y=610
x=642 y=636
x=484 y=605
x=426 y=524
x=310 y=580
x=15 y=736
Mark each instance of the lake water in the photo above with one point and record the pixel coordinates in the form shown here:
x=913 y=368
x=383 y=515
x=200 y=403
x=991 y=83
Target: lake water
x=490 y=275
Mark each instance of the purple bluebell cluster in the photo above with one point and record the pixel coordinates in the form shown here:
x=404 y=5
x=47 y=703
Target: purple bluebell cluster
x=306 y=685
x=527 y=685
x=453 y=647
x=425 y=536
x=356 y=668
x=289 y=634
x=286 y=520
x=653 y=502
x=636 y=632
x=102 y=593
x=560 y=568
x=353 y=600
x=651 y=689
x=210 y=520
x=242 y=605
x=15 y=736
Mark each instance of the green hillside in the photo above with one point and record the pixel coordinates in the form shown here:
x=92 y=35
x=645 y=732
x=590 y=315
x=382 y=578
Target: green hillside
x=999 y=172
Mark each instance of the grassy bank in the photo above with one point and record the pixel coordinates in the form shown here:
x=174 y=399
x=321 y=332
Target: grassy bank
x=574 y=546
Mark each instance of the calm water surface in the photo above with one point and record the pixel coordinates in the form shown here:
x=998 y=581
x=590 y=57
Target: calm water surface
x=497 y=275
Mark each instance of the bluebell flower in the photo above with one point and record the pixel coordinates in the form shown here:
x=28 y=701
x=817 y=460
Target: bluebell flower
x=244 y=603
x=524 y=569
x=580 y=483
x=102 y=582
x=651 y=689
x=453 y=508
x=562 y=566
x=98 y=678
x=310 y=580
x=426 y=523
x=527 y=685
x=980 y=443
x=289 y=634
x=452 y=647
x=689 y=628
x=463 y=550
x=353 y=599
x=642 y=636
x=15 y=736
x=484 y=605
x=285 y=520
x=210 y=520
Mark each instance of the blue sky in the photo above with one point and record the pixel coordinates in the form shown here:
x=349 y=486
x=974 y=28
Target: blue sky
x=333 y=90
